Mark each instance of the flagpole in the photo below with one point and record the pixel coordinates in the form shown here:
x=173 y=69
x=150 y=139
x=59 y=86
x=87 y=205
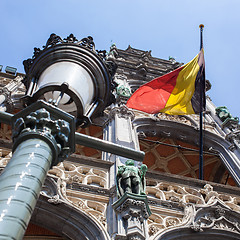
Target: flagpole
x=201 y=26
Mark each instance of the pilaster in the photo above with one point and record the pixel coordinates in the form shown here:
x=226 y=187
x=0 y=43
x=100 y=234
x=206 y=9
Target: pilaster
x=118 y=130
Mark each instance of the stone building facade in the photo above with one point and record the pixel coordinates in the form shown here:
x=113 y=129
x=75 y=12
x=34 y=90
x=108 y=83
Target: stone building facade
x=79 y=198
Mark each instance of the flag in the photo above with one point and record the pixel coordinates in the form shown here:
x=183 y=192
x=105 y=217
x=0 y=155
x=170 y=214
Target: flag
x=175 y=93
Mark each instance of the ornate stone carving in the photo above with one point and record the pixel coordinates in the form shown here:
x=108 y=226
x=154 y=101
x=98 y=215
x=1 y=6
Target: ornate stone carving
x=181 y=194
x=4 y=91
x=51 y=190
x=113 y=52
x=134 y=211
x=55 y=199
x=8 y=102
x=182 y=205
x=152 y=230
x=120 y=77
x=182 y=119
x=112 y=68
x=226 y=117
x=123 y=91
x=90 y=189
x=122 y=112
x=234 y=138
x=203 y=208
x=93 y=208
x=166 y=204
x=82 y=177
x=113 y=192
x=5 y=156
x=216 y=216
x=90 y=199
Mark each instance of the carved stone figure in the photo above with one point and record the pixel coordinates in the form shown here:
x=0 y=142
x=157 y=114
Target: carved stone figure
x=224 y=114
x=113 y=52
x=131 y=179
x=123 y=90
x=228 y=121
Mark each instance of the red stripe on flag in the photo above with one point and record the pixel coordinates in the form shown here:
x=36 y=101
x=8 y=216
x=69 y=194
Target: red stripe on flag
x=153 y=96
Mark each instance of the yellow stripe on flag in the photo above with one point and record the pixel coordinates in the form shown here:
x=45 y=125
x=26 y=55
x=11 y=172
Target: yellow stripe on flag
x=179 y=102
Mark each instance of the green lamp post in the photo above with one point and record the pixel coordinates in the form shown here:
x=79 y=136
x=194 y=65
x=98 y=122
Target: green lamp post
x=67 y=83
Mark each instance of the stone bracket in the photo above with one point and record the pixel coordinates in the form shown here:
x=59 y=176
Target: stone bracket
x=133 y=212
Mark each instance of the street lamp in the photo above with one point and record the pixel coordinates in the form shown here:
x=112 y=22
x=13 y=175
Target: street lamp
x=67 y=83
x=71 y=75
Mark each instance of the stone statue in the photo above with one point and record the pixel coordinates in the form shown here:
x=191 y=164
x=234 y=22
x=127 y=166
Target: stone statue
x=224 y=114
x=112 y=53
x=131 y=179
x=123 y=91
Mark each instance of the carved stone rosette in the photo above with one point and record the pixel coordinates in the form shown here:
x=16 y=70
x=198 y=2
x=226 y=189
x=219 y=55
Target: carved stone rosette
x=132 y=211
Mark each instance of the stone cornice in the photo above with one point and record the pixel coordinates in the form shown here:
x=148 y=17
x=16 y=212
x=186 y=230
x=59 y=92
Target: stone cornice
x=80 y=159
x=191 y=182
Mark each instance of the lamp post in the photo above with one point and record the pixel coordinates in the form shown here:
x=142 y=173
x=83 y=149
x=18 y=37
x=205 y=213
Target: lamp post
x=68 y=82
x=71 y=75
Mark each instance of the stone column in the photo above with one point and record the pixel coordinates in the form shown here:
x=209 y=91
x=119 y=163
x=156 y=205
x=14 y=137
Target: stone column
x=124 y=133
x=119 y=130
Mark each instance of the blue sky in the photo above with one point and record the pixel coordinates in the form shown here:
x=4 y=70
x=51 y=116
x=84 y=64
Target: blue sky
x=168 y=28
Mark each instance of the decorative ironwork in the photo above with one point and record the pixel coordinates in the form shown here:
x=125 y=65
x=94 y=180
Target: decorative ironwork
x=27 y=65
x=40 y=121
x=87 y=42
x=53 y=40
x=43 y=121
x=70 y=39
x=102 y=54
x=36 y=52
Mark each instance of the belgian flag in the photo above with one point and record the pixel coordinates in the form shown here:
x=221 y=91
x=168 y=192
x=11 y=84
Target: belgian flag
x=179 y=92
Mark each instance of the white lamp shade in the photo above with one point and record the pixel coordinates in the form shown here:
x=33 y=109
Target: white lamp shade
x=75 y=76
